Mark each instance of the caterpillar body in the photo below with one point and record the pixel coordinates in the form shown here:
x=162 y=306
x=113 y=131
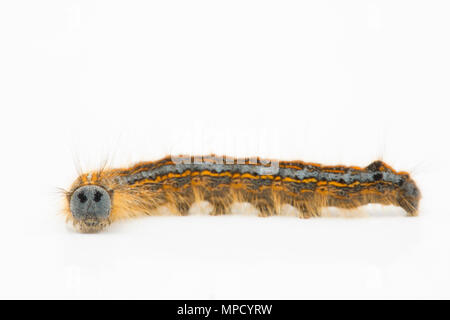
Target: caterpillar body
x=98 y=198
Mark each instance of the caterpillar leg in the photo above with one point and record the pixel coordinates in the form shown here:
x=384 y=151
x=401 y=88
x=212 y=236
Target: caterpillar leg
x=183 y=207
x=220 y=201
x=409 y=207
x=263 y=201
x=266 y=207
x=306 y=210
x=182 y=201
x=220 y=207
x=305 y=204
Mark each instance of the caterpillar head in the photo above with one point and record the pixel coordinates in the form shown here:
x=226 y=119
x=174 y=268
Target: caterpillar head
x=90 y=206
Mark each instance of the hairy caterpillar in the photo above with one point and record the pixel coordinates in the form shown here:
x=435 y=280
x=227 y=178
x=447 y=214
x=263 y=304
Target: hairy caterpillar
x=98 y=198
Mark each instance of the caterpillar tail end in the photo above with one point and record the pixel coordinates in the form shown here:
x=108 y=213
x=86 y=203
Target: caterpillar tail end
x=409 y=197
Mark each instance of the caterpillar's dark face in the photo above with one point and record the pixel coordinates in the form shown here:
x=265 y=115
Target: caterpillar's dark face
x=90 y=207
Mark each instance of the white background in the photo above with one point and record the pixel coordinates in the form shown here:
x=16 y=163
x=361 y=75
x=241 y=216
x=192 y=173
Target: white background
x=323 y=81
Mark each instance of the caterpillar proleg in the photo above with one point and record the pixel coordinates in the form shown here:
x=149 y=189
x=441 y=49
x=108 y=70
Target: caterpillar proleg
x=98 y=198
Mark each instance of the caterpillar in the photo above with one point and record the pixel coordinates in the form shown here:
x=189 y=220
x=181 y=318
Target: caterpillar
x=98 y=198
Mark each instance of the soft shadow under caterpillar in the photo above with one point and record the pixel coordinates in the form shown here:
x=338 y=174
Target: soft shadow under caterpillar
x=96 y=199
